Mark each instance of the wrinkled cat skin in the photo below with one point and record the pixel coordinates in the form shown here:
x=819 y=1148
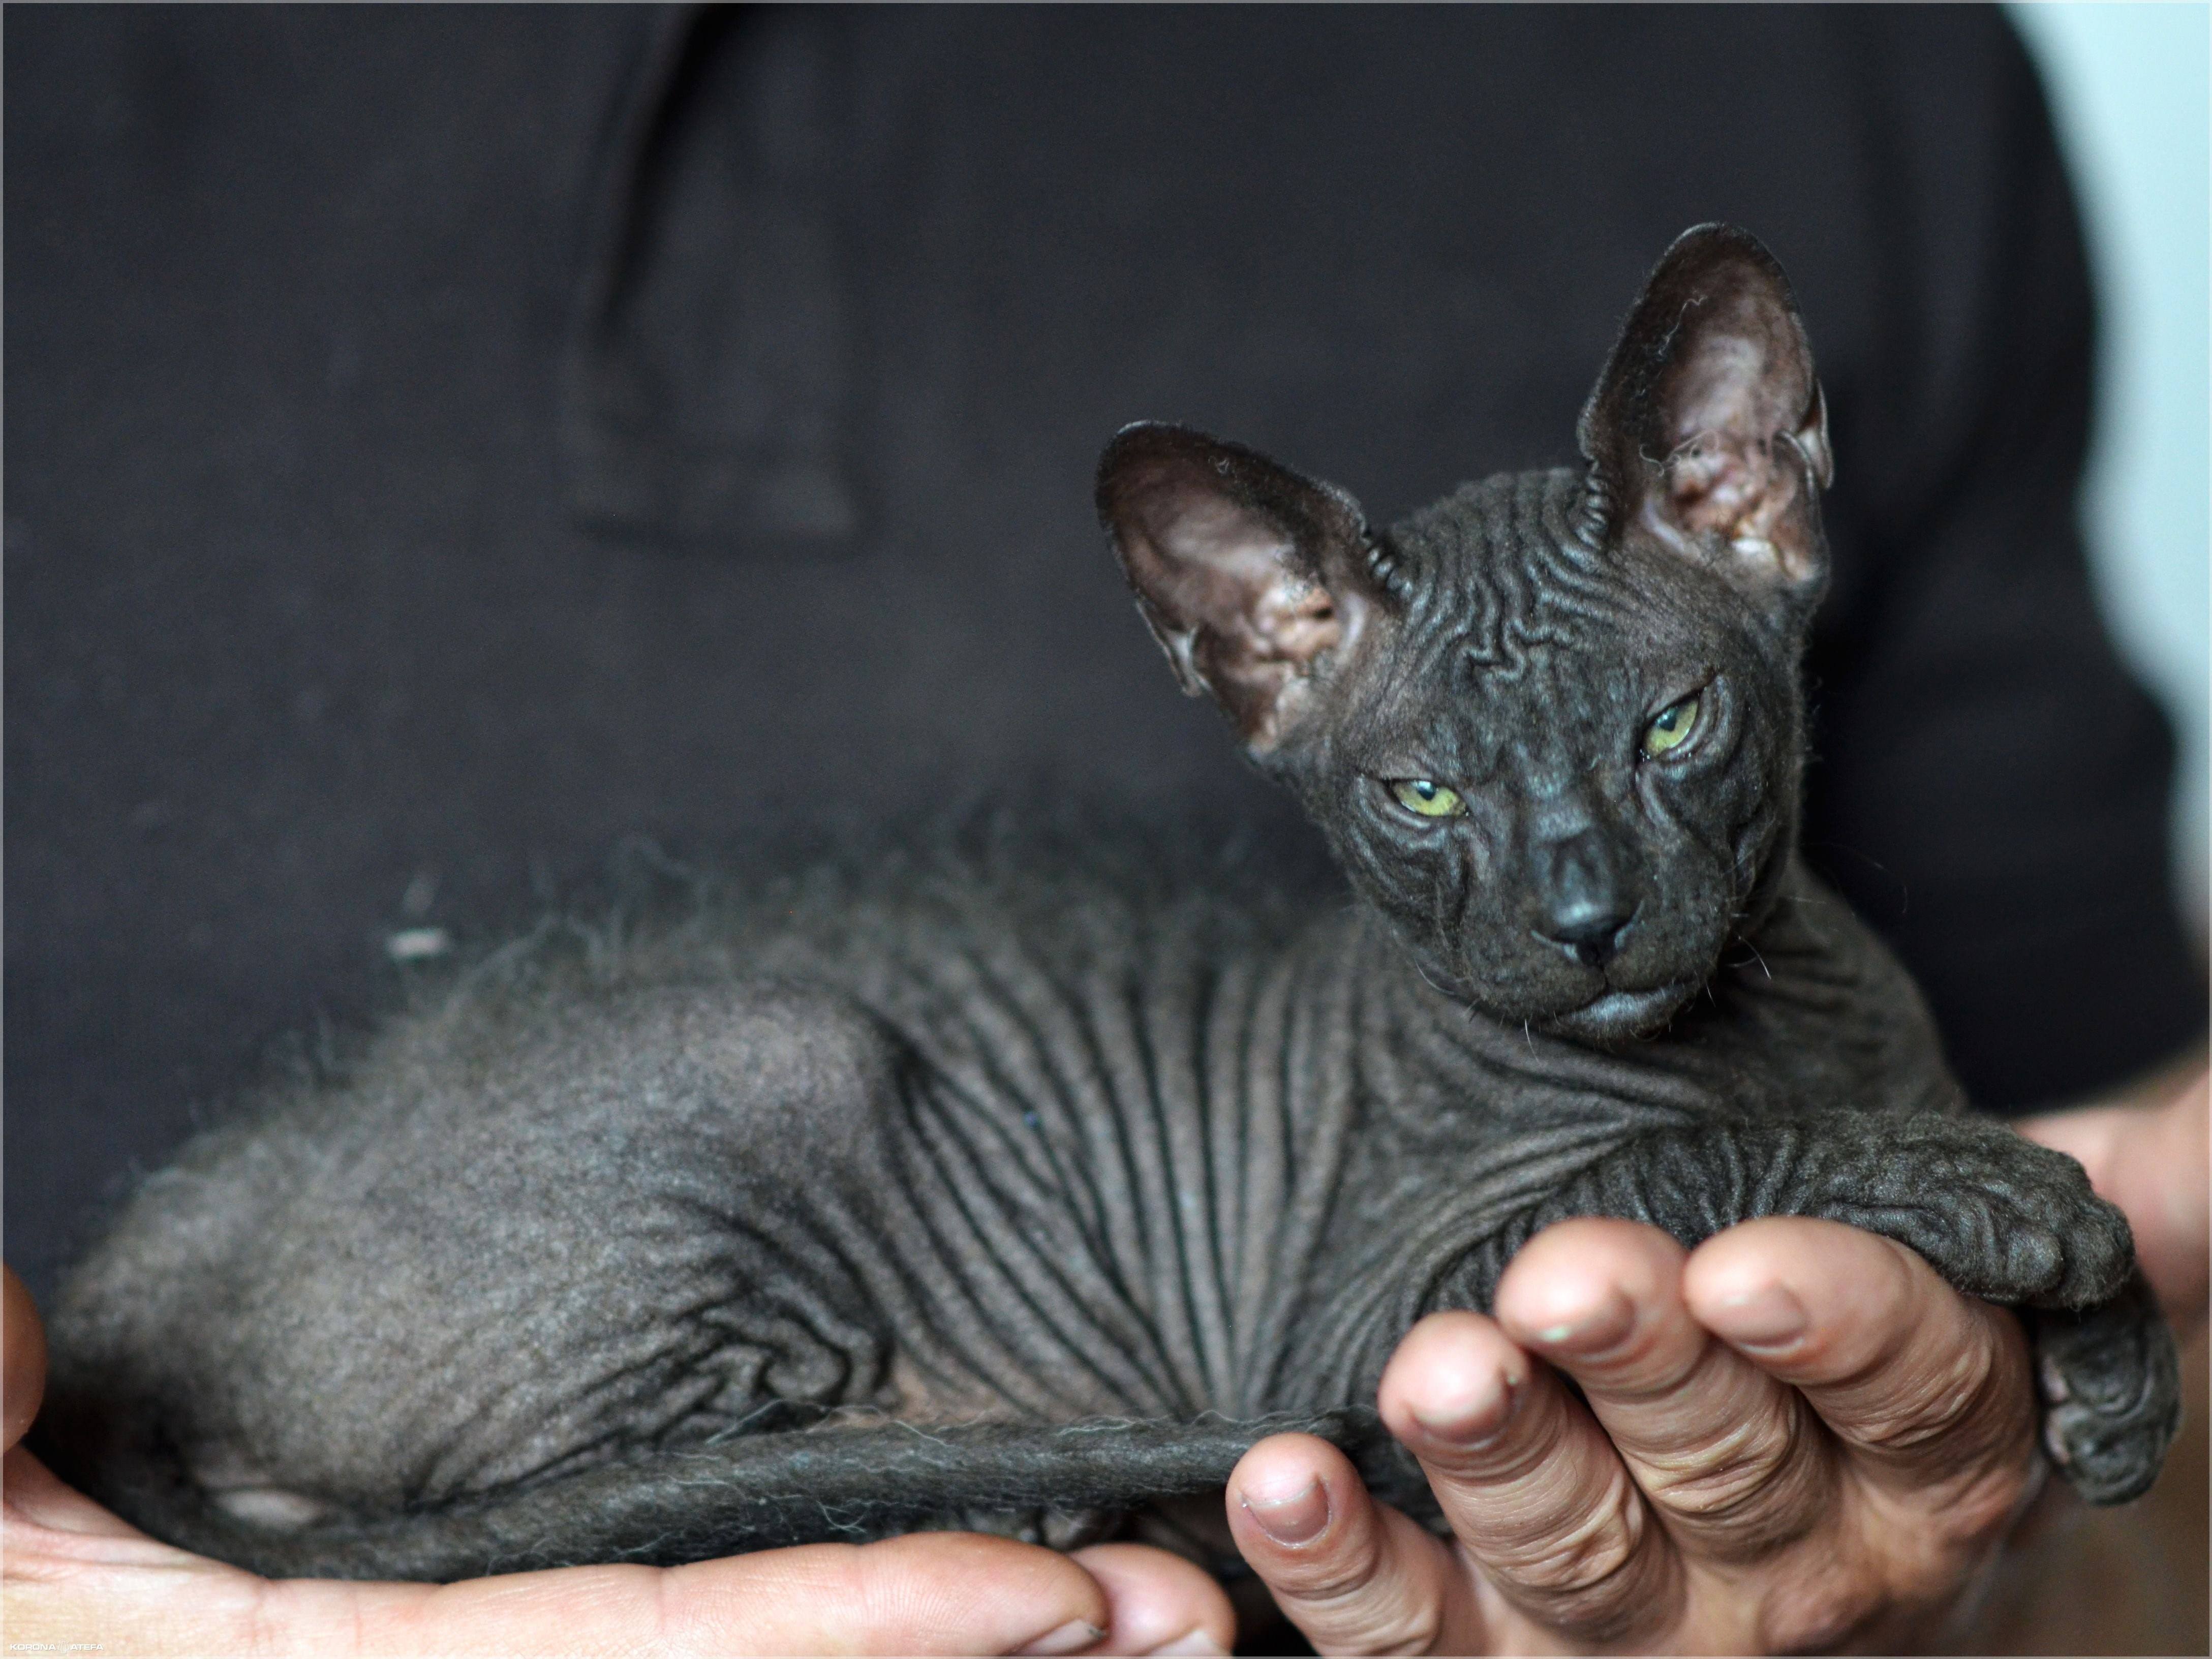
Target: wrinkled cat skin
x=1029 y=1191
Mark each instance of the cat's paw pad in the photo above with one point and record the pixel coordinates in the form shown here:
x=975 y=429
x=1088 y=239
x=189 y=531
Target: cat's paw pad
x=2112 y=1389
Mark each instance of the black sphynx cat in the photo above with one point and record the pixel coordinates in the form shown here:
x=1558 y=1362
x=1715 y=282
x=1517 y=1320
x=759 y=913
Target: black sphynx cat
x=1030 y=1195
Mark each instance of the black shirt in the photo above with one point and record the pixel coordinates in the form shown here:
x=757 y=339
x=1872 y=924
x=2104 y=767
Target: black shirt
x=444 y=442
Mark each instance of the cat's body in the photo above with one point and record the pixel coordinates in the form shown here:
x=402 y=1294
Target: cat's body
x=1020 y=1191
x=1027 y=1144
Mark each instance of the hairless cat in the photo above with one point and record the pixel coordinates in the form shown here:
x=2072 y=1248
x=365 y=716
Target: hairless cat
x=1029 y=1193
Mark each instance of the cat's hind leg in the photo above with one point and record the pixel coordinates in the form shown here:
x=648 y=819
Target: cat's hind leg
x=534 y=1242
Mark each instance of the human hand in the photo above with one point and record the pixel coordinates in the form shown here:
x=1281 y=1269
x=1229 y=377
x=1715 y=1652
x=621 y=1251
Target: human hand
x=74 y=1576
x=2148 y=1153
x=1795 y=1437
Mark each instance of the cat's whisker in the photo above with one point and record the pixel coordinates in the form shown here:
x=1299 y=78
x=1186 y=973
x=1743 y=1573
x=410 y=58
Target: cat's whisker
x=1423 y=972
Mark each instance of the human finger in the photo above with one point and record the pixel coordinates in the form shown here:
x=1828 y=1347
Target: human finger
x=1353 y=1575
x=23 y=1350
x=925 y=1594
x=1733 y=1460
x=76 y=1573
x=2148 y=1158
x=1157 y=1602
x=1530 y=1484
x=1929 y=1391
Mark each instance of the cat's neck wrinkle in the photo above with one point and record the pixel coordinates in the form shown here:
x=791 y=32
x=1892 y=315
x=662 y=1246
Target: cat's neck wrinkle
x=1434 y=1067
x=1808 y=1011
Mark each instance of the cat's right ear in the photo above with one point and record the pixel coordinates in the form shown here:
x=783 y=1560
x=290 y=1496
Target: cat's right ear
x=1252 y=577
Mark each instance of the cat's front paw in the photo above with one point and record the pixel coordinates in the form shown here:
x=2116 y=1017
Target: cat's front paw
x=2001 y=1217
x=2110 y=1382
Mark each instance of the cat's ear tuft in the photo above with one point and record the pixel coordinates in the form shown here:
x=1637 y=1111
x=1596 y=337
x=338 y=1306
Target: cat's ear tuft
x=1707 y=429
x=1250 y=576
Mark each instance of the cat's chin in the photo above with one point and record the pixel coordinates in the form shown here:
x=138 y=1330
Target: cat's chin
x=1619 y=1016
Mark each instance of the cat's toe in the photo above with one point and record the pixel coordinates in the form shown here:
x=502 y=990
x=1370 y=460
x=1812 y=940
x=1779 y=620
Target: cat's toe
x=2061 y=1245
x=2031 y=1260
x=2100 y=1254
x=2106 y=1460
x=2110 y=1382
x=2080 y=1259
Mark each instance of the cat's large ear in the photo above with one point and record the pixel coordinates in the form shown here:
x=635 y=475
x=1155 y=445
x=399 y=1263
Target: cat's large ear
x=1707 y=429
x=1249 y=575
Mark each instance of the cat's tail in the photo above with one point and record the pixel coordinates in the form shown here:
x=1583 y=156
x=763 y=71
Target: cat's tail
x=670 y=1505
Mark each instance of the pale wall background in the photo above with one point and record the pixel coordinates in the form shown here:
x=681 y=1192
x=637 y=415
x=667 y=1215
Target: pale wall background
x=2129 y=89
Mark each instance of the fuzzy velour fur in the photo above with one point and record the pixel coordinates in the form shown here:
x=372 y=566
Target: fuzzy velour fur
x=1030 y=1191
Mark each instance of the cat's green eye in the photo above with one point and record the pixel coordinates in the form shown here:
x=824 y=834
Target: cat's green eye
x=1671 y=727
x=1429 y=799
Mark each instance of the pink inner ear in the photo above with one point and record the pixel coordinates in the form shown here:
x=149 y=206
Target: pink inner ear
x=1294 y=623
x=1246 y=573
x=1229 y=571
x=1730 y=471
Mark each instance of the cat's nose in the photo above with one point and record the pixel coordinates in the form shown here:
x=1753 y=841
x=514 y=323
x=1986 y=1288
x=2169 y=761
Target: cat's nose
x=1584 y=908
x=1590 y=930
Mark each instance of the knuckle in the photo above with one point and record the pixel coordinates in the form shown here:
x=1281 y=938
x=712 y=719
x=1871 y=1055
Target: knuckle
x=1399 y=1629
x=1743 y=1470
x=1961 y=1519
x=1348 y=1602
x=1591 y=1580
x=1960 y=1415
x=1587 y=1554
x=1820 y=1615
x=1983 y=1509
x=1329 y=1576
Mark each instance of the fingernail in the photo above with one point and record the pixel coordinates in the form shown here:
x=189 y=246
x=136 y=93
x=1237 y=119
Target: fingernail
x=1294 y=1518
x=1768 y=1317
x=1478 y=1414
x=1598 y=1328
x=1072 y=1637
x=1193 y=1641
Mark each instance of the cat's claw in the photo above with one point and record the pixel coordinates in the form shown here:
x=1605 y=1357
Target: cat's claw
x=2053 y=1380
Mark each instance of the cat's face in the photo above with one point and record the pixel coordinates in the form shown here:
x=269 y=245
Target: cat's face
x=1552 y=724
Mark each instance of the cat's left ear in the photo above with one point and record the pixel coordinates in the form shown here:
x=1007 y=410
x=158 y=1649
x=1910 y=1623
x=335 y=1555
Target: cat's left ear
x=1707 y=429
x=1251 y=577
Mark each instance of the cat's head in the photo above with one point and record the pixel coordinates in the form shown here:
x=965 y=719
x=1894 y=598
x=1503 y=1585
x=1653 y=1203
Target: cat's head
x=1552 y=725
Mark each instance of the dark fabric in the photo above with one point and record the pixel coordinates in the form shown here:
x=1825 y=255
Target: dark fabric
x=442 y=442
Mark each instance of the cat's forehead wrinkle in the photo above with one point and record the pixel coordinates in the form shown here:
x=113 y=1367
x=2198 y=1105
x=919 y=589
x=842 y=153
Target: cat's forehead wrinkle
x=1530 y=643
x=1509 y=571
